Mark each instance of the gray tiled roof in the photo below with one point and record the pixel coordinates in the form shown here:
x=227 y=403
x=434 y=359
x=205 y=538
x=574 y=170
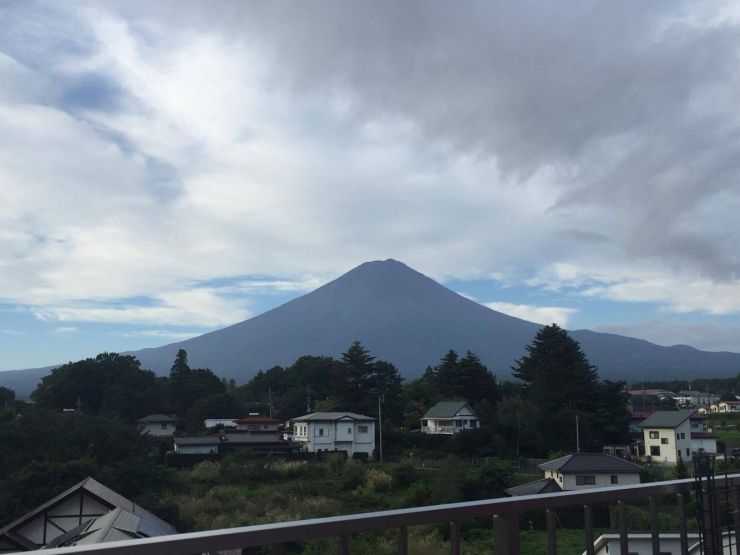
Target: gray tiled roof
x=597 y=463
x=446 y=409
x=332 y=416
x=666 y=418
x=157 y=418
x=546 y=485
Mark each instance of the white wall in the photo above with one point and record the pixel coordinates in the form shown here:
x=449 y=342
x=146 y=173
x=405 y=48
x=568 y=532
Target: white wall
x=676 y=440
x=156 y=429
x=196 y=449
x=602 y=481
x=339 y=435
x=641 y=544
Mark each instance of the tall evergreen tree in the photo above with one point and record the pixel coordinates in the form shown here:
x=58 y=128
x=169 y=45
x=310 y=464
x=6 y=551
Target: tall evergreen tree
x=556 y=374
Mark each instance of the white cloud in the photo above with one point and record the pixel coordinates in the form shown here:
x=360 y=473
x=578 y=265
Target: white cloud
x=199 y=307
x=540 y=314
x=164 y=334
x=65 y=329
x=255 y=145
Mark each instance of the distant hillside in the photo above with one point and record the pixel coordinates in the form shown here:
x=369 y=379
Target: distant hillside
x=409 y=319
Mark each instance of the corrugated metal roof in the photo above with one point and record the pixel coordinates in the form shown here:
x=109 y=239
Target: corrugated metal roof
x=96 y=489
x=666 y=418
x=446 y=409
x=597 y=463
x=332 y=416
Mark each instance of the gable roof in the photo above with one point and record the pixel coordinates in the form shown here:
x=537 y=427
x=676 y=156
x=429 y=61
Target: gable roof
x=546 y=485
x=95 y=489
x=330 y=416
x=447 y=409
x=157 y=418
x=597 y=463
x=666 y=418
x=256 y=419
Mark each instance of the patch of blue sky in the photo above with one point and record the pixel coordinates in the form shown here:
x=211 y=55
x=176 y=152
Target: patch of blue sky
x=90 y=91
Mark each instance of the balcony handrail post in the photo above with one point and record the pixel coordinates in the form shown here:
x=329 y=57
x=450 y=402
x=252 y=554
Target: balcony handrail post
x=403 y=540
x=506 y=533
x=588 y=528
x=552 y=533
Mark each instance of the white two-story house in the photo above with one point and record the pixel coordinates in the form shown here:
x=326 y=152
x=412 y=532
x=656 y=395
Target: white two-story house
x=667 y=436
x=335 y=431
x=158 y=425
x=449 y=417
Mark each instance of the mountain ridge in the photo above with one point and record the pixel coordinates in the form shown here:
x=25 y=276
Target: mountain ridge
x=407 y=318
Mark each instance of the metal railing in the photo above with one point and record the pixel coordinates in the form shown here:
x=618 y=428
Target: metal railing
x=505 y=513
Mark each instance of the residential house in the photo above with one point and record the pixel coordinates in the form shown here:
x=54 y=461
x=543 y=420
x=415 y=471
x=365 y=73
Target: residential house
x=692 y=398
x=88 y=512
x=158 y=425
x=581 y=471
x=667 y=436
x=728 y=406
x=642 y=544
x=449 y=417
x=702 y=441
x=211 y=423
x=335 y=431
x=224 y=443
x=255 y=423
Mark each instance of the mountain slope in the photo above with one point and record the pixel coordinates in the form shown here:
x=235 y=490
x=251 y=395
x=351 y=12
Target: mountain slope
x=405 y=317
x=409 y=319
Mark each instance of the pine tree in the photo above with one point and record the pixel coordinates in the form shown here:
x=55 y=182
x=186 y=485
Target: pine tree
x=556 y=374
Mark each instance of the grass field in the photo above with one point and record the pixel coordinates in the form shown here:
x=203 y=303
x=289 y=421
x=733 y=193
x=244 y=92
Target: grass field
x=727 y=428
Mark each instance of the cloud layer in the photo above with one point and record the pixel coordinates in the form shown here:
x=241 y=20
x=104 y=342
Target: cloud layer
x=147 y=151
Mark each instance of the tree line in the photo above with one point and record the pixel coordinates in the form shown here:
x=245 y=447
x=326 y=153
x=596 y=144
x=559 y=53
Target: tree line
x=531 y=415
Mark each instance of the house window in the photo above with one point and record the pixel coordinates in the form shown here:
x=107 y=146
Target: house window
x=655 y=450
x=423 y=423
x=458 y=423
x=362 y=429
x=321 y=431
x=683 y=435
x=664 y=440
x=349 y=431
x=688 y=453
x=615 y=479
x=585 y=480
x=653 y=434
x=164 y=426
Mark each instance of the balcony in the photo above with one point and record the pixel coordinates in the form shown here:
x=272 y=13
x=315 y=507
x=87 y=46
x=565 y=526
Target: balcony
x=718 y=523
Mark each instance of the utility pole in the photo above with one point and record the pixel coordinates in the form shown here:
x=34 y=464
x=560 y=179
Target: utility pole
x=269 y=400
x=308 y=399
x=578 y=434
x=380 y=427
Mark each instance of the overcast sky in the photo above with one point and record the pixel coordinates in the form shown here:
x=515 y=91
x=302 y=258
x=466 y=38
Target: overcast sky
x=170 y=168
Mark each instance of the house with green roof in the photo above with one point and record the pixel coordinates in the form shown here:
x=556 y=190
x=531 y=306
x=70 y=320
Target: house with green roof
x=449 y=417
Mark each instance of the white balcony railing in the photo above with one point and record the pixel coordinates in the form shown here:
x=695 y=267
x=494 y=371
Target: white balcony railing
x=504 y=512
